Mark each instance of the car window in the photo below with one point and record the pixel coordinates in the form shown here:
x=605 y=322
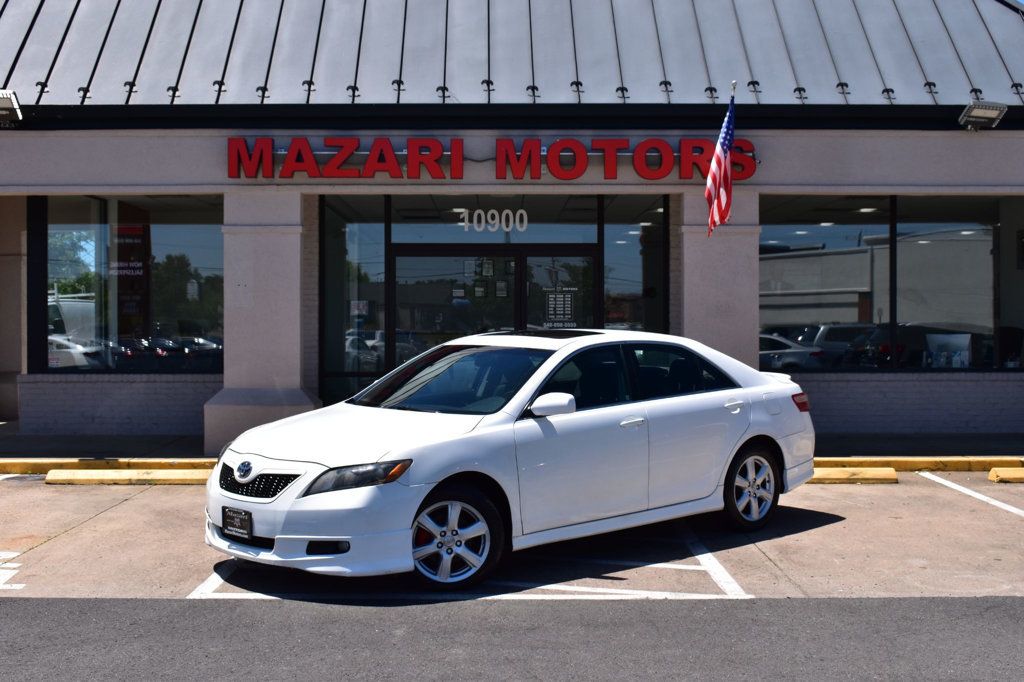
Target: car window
x=807 y=336
x=664 y=371
x=456 y=380
x=772 y=344
x=846 y=334
x=595 y=377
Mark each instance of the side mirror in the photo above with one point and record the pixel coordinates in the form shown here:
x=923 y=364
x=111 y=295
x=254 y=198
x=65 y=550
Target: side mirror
x=551 y=404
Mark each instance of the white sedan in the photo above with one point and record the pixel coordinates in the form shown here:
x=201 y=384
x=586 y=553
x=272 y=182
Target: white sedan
x=503 y=441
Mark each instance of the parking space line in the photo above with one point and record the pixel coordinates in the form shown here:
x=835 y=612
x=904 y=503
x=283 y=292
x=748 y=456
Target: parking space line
x=967 y=491
x=3 y=476
x=205 y=589
x=8 y=570
x=716 y=570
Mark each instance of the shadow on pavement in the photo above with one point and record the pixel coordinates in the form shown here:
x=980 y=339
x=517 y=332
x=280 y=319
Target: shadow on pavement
x=599 y=558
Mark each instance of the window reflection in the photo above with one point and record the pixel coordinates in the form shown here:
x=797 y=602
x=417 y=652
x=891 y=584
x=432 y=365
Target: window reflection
x=634 y=263
x=135 y=284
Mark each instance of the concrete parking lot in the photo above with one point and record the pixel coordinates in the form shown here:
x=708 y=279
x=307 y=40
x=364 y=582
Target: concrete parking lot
x=918 y=539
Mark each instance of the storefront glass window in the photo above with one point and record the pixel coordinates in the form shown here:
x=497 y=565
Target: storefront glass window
x=353 y=291
x=634 y=263
x=135 y=284
x=825 y=278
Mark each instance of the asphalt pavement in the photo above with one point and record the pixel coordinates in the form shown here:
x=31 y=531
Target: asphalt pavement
x=921 y=580
x=816 y=639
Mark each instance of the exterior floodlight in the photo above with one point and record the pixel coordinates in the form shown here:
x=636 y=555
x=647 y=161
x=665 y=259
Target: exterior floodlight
x=981 y=114
x=10 y=112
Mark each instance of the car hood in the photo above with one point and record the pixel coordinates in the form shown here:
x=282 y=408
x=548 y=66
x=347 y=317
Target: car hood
x=345 y=434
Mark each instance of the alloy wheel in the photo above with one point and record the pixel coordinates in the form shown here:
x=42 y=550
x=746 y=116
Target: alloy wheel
x=450 y=541
x=754 y=488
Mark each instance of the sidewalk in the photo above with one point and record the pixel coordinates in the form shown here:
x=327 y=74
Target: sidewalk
x=13 y=444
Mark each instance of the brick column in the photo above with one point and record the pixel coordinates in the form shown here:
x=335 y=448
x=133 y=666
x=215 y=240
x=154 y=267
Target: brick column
x=12 y=302
x=719 y=277
x=263 y=317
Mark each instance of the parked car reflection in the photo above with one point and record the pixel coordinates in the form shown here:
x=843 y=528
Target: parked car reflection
x=778 y=353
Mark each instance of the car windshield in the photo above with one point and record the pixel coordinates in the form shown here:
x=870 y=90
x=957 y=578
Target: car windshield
x=456 y=380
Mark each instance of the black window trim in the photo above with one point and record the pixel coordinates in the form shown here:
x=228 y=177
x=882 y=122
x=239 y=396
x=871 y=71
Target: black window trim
x=630 y=383
x=631 y=360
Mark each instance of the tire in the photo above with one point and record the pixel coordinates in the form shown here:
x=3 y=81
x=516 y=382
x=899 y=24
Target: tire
x=740 y=493
x=443 y=559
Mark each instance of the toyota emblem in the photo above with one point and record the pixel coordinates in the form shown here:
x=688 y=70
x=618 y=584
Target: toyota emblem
x=243 y=470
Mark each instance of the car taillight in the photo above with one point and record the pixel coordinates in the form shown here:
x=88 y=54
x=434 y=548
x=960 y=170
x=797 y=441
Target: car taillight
x=817 y=354
x=802 y=403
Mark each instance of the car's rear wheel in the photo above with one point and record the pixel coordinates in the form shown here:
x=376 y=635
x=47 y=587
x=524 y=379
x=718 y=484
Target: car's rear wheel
x=458 y=538
x=752 y=488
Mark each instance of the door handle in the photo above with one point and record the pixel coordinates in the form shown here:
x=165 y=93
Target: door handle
x=631 y=421
x=734 y=406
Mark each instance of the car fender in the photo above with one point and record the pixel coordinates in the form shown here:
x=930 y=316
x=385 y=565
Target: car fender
x=487 y=451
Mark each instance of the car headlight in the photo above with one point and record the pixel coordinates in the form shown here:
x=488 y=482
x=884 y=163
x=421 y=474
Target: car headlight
x=358 y=476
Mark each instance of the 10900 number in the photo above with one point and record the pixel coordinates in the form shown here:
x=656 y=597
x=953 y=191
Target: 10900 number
x=494 y=220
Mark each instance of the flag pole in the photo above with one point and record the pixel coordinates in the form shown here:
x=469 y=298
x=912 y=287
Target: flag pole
x=734 y=88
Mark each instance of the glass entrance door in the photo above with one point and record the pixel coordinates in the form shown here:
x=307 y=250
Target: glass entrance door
x=439 y=298
x=559 y=292
x=442 y=296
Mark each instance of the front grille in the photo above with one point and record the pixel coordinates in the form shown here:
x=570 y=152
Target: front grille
x=254 y=541
x=264 y=485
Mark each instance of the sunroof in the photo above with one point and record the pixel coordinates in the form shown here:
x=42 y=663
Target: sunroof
x=548 y=333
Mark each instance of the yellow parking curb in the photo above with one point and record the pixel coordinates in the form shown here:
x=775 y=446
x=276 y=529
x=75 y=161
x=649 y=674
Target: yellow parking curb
x=128 y=476
x=41 y=465
x=854 y=475
x=952 y=463
x=1006 y=475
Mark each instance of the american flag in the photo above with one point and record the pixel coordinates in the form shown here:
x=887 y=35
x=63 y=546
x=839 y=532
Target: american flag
x=719 y=189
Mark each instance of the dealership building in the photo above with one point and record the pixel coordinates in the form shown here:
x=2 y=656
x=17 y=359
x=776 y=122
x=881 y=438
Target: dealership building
x=217 y=214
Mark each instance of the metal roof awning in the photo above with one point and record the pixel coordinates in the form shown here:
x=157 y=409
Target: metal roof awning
x=480 y=52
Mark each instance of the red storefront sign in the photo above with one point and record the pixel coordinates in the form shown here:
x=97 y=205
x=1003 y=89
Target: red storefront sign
x=425 y=157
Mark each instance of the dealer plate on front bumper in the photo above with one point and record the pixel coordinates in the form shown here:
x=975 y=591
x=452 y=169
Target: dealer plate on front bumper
x=237 y=523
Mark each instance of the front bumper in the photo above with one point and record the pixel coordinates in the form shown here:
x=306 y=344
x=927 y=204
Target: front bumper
x=376 y=522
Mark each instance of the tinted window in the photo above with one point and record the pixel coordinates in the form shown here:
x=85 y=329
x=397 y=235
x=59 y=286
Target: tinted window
x=772 y=344
x=594 y=377
x=671 y=370
x=456 y=380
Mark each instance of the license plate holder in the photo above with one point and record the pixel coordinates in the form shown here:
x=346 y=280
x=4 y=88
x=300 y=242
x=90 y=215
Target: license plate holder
x=236 y=523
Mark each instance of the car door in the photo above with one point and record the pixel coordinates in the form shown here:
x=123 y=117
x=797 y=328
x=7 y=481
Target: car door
x=696 y=416
x=590 y=464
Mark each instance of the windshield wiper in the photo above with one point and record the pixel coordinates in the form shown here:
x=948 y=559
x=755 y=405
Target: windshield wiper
x=405 y=408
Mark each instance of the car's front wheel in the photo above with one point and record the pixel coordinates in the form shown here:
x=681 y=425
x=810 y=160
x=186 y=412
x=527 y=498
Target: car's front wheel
x=752 y=488
x=458 y=538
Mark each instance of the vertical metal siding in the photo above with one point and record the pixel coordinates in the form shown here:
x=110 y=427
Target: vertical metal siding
x=638 y=49
x=204 y=62
x=510 y=49
x=424 y=52
x=13 y=26
x=553 y=56
x=75 y=61
x=124 y=47
x=293 y=53
x=595 y=49
x=851 y=50
x=250 y=54
x=41 y=48
x=893 y=51
x=467 y=51
x=164 y=53
x=339 y=48
x=809 y=51
x=979 y=55
x=381 y=51
x=725 y=50
x=684 y=59
x=934 y=48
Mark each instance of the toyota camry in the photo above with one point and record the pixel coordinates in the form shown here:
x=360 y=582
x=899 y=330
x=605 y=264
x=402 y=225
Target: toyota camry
x=497 y=442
